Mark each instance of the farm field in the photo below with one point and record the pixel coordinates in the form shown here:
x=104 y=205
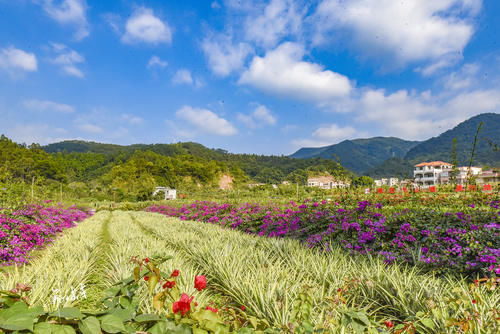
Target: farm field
x=279 y=283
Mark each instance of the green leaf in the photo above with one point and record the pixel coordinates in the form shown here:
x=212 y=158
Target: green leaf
x=111 y=292
x=43 y=328
x=358 y=326
x=420 y=314
x=68 y=313
x=169 y=327
x=427 y=322
x=112 y=324
x=363 y=318
x=63 y=329
x=124 y=314
x=199 y=331
x=146 y=318
x=16 y=308
x=89 y=325
x=153 y=280
x=125 y=302
x=18 y=317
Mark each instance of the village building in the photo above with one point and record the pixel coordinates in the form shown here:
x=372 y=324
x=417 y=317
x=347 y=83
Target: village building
x=168 y=192
x=327 y=182
x=489 y=176
x=428 y=174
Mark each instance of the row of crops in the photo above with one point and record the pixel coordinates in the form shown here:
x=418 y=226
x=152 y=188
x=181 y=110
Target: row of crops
x=253 y=282
x=459 y=242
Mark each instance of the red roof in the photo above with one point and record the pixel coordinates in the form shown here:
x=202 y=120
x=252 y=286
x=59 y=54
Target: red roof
x=433 y=163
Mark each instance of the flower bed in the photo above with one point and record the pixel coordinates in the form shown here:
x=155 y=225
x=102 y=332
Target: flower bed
x=33 y=227
x=462 y=242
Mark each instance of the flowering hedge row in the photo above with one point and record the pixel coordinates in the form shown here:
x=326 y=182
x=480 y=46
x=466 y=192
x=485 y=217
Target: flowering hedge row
x=457 y=242
x=32 y=227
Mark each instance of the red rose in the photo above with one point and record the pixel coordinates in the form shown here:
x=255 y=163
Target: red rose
x=388 y=324
x=146 y=278
x=200 y=282
x=215 y=310
x=243 y=308
x=175 y=273
x=169 y=284
x=183 y=305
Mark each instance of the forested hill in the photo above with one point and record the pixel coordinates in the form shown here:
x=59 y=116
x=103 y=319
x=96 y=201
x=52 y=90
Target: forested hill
x=359 y=155
x=439 y=148
x=259 y=168
x=133 y=171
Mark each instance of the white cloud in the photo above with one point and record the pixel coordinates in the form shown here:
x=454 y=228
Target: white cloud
x=419 y=116
x=282 y=72
x=206 y=121
x=89 y=127
x=15 y=60
x=279 y=19
x=326 y=135
x=131 y=119
x=156 y=61
x=48 y=106
x=215 y=5
x=260 y=116
x=223 y=56
x=407 y=31
x=34 y=133
x=144 y=26
x=463 y=78
x=334 y=133
x=69 y=12
x=183 y=76
x=67 y=59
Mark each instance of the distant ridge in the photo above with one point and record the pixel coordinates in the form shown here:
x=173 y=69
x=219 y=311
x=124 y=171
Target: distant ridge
x=359 y=155
x=390 y=156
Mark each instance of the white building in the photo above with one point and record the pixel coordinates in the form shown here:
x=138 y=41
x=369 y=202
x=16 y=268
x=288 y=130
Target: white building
x=393 y=181
x=462 y=174
x=169 y=193
x=381 y=182
x=327 y=182
x=429 y=173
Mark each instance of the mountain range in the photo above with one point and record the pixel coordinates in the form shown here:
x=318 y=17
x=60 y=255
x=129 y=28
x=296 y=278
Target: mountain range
x=390 y=156
x=376 y=157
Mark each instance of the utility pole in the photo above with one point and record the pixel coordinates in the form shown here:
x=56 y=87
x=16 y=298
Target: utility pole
x=297 y=191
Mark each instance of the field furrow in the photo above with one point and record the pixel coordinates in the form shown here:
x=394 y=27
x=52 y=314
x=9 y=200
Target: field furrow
x=267 y=275
x=60 y=274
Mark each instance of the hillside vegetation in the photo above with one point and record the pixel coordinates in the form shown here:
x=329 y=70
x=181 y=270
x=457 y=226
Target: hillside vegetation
x=359 y=155
x=89 y=169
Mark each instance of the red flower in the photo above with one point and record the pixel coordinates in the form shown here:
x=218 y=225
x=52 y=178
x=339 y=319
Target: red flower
x=243 y=308
x=146 y=278
x=183 y=305
x=215 y=310
x=200 y=282
x=388 y=324
x=169 y=284
x=474 y=301
x=146 y=260
x=175 y=273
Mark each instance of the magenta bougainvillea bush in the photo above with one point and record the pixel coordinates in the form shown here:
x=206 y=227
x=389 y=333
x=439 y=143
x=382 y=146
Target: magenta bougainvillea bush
x=33 y=227
x=461 y=242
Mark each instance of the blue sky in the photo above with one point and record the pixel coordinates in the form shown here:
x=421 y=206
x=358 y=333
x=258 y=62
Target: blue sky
x=263 y=77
